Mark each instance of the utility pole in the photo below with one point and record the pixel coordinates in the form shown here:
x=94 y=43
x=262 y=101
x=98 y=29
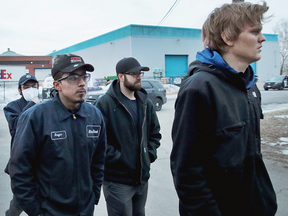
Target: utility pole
x=234 y=1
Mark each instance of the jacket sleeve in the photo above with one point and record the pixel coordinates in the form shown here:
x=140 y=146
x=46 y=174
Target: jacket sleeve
x=23 y=164
x=192 y=127
x=97 y=166
x=12 y=112
x=112 y=154
x=154 y=135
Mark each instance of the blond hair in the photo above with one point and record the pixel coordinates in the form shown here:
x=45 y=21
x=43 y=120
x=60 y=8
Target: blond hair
x=230 y=20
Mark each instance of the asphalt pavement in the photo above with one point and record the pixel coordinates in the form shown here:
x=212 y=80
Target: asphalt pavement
x=162 y=199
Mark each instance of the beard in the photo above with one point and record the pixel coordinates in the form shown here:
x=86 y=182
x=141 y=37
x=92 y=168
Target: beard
x=136 y=86
x=80 y=100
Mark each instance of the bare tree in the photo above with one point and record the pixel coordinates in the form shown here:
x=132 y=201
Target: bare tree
x=234 y=1
x=281 y=29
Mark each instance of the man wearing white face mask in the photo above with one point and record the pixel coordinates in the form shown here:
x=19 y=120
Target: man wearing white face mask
x=28 y=88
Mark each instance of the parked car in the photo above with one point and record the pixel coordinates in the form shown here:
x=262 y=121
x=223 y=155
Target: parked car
x=155 y=90
x=92 y=96
x=277 y=82
x=46 y=87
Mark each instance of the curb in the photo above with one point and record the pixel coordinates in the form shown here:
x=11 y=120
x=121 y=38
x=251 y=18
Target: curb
x=171 y=93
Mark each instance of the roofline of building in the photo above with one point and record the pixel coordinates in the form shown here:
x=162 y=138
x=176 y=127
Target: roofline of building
x=26 y=56
x=141 y=31
x=42 y=67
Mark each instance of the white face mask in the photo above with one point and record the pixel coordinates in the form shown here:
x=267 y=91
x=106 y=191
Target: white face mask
x=30 y=93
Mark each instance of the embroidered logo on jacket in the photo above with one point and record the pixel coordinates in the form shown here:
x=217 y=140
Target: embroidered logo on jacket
x=93 y=130
x=57 y=135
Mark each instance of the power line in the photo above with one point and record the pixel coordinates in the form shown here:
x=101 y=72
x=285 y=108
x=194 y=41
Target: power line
x=166 y=15
x=170 y=10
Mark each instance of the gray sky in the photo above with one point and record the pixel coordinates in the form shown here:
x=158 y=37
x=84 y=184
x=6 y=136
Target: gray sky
x=37 y=27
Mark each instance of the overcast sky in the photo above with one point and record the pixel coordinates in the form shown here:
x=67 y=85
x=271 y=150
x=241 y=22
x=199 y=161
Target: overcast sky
x=37 y=27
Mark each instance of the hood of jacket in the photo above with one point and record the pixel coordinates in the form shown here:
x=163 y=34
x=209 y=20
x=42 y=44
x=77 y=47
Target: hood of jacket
x=115 y=92
x=214 y=63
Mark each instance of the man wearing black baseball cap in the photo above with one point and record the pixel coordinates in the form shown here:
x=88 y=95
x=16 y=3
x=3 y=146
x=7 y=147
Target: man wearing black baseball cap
x=28 y=88
x=57 y=162
x=69 y=63
x=132 y=137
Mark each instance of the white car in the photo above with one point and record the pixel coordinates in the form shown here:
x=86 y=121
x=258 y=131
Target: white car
x=46 y=87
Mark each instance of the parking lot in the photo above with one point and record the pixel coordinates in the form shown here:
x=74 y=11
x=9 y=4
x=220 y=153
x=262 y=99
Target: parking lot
x=162 y=199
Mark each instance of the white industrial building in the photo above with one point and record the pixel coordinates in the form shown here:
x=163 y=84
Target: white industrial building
x=166 y=50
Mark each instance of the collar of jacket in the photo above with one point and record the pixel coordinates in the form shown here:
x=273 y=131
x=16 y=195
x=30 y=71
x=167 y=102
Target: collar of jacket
x=197 y=66
x=64 y=113
x=211 y=57
x=23 y=102
x=114 y=91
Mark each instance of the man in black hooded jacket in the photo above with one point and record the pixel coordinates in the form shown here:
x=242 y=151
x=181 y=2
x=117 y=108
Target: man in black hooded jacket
x=216 y=159
x=132 y=136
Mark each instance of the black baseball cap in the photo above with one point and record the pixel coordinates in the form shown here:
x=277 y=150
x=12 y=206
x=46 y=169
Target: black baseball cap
x=23 y=79
x=129 y=65
x=69 y=63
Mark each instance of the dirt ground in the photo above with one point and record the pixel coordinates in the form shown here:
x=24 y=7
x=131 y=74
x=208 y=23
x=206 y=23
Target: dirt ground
x=275 y=126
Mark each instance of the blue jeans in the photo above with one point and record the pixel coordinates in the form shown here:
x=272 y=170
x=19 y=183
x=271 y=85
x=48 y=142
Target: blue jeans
x=14 y=209
x=125 y=200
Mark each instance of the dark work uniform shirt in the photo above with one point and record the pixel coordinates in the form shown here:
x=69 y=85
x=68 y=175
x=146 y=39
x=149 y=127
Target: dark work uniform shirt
x=131 y=105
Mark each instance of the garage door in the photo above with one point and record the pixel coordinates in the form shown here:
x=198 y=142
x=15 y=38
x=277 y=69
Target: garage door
x=41 y=73
x=175 y=65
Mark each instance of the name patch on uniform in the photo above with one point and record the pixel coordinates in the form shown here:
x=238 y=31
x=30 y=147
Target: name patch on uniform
x=93 y=130
x=57 y=135
x=254 y=94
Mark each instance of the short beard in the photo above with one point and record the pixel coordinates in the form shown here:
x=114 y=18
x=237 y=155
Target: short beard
x=130 y=86
x=80 y=101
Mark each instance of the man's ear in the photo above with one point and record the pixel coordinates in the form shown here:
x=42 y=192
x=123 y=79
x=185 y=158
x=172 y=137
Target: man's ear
x=226 y=39
x=121 y=77
x=57 y=85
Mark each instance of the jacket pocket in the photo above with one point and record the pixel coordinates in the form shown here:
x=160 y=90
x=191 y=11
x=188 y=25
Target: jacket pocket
x=232 y=130
x=231 y=144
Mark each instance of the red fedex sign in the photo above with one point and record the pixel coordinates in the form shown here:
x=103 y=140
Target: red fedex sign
x=5 y=75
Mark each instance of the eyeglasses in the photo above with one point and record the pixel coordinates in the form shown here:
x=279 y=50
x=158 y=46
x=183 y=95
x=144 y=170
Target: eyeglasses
x=75 y=79
x=136 y=75
x=30 y=86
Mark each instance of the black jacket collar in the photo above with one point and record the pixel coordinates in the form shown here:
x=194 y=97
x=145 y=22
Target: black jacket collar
x=115 y=92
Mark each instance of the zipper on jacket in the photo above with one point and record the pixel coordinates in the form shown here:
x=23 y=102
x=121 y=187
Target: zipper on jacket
x=137 y=138
x=76 y=161
x=248 y=95
x=141 y=144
